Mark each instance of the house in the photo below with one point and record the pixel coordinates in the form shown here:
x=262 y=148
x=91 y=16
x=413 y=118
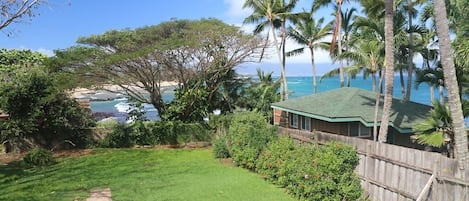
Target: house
x=350 y=112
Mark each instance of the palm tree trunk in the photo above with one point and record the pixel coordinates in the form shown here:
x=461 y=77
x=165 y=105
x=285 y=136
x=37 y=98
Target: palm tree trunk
x=283 y=44
x=373 y=82
x=313 y=68
x=432 y=93
x=389 y=72
x=410 y=61
x=375 y=119
x=441 y=96
x=401 y=78
x=339 y=44
x=449 y=72
x=283 y=78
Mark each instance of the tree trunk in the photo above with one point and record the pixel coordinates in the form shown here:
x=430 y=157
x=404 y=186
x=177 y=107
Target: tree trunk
x=375 y=119
x=313 y=68
x=339 y=44
x=284 y=40
x=432 y=93
x=389 y=72
x=449 y=72
x=373 y=82
x=410 y=67
x=283 y=78
x=401 y=78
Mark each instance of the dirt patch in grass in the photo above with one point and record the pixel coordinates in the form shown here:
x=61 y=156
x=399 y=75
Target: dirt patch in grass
x=6 y=158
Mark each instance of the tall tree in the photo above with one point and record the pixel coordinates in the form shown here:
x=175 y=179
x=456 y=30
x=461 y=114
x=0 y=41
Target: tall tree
x=139 y=60
x=336 y=34
x=389 y=69
x=451 y=83
x=309 y=32
x=14 y=11
x=274 y=14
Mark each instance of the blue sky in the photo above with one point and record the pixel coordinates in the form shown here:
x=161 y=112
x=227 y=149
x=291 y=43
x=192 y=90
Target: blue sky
x=61 y=22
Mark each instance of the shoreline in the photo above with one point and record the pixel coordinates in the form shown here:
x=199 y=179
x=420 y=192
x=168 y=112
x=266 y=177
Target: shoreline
x=109 y=92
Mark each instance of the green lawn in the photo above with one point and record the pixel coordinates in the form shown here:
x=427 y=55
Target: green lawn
x=138 y=174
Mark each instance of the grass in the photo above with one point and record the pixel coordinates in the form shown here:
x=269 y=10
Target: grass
x=138 y=174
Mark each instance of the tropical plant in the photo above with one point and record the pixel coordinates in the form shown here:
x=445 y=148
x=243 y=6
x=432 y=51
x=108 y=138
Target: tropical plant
x=436 y=130
x=336 y=33
x=309 y=33
x=274 y=14
x=389 y=69
x=449 y=72
x=261 y=93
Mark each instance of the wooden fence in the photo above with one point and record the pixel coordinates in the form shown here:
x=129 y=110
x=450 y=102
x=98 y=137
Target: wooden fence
x=390 y=172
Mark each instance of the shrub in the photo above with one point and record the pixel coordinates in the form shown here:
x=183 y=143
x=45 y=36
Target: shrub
x=38 y=157
x=122 y=136
x=273 y=162
x=325 y=173
x=248 y=135
x=220 y=150
x=153 y=133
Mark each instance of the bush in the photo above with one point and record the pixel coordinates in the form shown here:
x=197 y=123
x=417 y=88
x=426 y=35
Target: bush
x=248 y=135
x=325 y=173
x=122 y=136
x=273 y=162
x=38 y=157
x=154 y=133
x=220 y=150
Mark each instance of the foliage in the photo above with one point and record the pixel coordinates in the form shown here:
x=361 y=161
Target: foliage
x=311 y=172
x=40 y=114
x=249 y=134
x=436 y=130
x=138 y=174
x=38 y=157
x=153 y=133
x=12 y=60
x=122 y=136
x=14 y=11
x=190 y=104
x=261 y=94
x=274 y=163
x=220 y=149
x=182 y=50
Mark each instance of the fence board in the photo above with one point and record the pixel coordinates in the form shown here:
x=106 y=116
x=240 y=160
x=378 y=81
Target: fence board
x=390 y=172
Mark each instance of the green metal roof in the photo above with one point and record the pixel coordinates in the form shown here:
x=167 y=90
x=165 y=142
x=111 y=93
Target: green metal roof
x=351 y=104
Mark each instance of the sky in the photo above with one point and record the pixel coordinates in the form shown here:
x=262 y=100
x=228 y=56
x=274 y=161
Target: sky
x=61 y=22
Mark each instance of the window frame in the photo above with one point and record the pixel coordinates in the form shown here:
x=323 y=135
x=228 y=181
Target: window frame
x=305 y=121
x=292 y=122
x=361 y=129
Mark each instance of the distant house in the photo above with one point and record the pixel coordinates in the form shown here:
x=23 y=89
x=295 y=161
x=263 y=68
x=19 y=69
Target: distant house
x=350 y=112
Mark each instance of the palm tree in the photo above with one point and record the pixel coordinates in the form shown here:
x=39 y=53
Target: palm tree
x=389 y=69
x=449 y=72
x=436 y=130
x=274 y=14
x=433 y=77
x=348 y=25
x=309 y=33
x=367 y=58
x=336 y=34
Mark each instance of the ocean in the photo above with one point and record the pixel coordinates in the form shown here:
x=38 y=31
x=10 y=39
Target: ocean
x=297 y=85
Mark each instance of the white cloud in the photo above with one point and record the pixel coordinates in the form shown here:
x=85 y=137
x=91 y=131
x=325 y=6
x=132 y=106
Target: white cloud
x=44 y=51
x=235 y=9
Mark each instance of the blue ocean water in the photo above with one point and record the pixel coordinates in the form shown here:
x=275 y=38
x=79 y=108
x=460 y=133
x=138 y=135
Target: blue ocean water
x=297 y=85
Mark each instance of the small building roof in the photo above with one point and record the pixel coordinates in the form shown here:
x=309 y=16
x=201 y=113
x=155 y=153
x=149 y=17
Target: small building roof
x=352 y=104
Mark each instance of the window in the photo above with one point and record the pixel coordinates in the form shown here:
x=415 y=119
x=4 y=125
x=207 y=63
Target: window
x=356 y=129
x=294 y=120
x=305 y=123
